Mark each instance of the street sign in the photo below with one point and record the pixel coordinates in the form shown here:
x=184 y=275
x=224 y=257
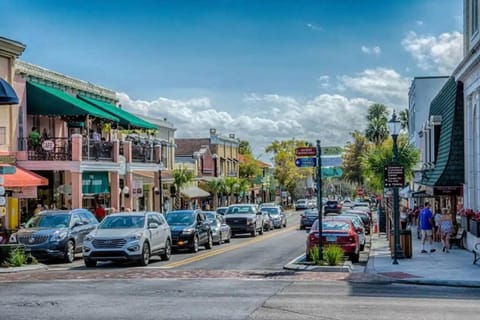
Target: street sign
x=394 y=176
x=306 y=151
x=306 y=162
x=2 y=201
x=8 y=170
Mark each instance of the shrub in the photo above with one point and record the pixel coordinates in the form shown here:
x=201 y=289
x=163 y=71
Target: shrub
x=315 y=255
x=18 y=258
x=332 y=255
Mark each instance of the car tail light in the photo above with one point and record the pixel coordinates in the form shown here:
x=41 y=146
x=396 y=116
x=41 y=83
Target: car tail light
x=360 y=230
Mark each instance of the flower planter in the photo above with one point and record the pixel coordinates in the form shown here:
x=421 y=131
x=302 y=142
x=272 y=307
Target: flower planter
x=465 y=223
x=475 y=227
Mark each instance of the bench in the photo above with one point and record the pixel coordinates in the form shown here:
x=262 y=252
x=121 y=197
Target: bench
x=476 y=253
x=457 y=238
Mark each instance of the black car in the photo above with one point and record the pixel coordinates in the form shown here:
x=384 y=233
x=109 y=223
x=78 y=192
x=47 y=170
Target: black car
x=190 y=229
x=56 y=233
x=307 y=218
x=332 y=206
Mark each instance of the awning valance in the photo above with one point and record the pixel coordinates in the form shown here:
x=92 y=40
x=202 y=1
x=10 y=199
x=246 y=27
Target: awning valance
x=194 y=192
x=7 y=94
x=127 y=120
x=43 y=100
x=23 y=178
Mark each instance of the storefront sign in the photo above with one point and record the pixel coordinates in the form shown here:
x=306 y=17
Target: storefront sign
x=48 y=145
x=2 y=190
x=8 y=159
x=95 y=182
x=3 y=201
x=137 y=189
x=25 y=193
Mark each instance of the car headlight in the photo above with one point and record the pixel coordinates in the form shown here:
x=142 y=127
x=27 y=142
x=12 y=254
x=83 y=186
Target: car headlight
x=13 y=238
x=59 y=235
x=89 y=237
x=188 y=231
x=136 y=236
x=250 y=220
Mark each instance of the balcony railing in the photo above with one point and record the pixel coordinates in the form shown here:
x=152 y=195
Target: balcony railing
x=142 y=152
x=52 y=149
x=97 y=150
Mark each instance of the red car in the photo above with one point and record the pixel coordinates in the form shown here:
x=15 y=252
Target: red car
x=336 y=231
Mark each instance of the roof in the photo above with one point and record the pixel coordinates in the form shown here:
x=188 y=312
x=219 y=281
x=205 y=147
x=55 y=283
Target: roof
x=449 y=166
x=186 y=147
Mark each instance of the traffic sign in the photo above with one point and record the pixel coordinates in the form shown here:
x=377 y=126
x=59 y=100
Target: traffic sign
x=306 y=162
x=394 y=176
x=8 y=170
x=306 y=151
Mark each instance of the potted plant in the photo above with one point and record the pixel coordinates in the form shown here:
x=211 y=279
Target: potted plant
x=475 y=224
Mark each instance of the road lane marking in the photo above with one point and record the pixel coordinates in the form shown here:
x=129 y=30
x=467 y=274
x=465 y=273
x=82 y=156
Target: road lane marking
x=215 y=252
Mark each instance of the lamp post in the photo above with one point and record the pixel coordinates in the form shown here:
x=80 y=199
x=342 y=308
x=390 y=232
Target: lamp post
x=394 y=129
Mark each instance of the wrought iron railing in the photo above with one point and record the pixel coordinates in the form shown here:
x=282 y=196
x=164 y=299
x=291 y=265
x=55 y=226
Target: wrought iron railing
x=142 y=152
x=97 y=150
x=51 y=149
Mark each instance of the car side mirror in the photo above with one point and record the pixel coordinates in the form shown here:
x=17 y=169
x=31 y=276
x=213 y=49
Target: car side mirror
x=152 y=225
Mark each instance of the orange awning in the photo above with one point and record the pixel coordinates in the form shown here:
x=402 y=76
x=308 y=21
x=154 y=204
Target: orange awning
x=23 y=178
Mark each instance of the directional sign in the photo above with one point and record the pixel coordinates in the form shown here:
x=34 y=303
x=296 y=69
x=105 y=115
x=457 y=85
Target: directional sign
x=306 y=151
x=8 y=170
x=306 y=162
x=394 y=176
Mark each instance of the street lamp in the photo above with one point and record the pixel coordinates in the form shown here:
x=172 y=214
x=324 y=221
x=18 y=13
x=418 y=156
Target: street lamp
x=394 y=129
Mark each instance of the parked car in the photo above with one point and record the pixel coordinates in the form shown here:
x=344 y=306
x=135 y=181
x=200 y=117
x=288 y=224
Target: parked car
x=278 y=216
x=307 y=218
x=221 y=231
x=267 y=221
x=359 y=227
x=332 y=206
x=190 y=229
x=367 y=221
x=222 y=210
x=244 y=218
x=128 y=236
x=56 y=234
x=302 y=204
x=312 y=203
x=335 y=231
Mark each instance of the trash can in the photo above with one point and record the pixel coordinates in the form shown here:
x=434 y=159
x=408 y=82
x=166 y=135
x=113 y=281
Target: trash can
x=406 y=242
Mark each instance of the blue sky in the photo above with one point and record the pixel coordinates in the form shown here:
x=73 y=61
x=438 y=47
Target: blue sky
x=261 y=69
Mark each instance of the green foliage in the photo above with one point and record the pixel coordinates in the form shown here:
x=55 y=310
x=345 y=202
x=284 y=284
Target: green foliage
x=244 y=148
x=215 y=187
x=181 y=177
x=404 y=119
x=18 y=258
x=377 y=131
x=249 y=168
x=352 y=158
x=315 y=255
x=333 y=255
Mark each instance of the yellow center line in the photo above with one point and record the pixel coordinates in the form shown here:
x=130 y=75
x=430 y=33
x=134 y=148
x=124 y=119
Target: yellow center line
x=215 y=252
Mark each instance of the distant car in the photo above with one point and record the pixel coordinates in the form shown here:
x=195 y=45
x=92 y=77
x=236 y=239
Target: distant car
x=312 y=203
x=347 y=203
x=367 y=221
x=302 y=204
x=267 y=221
x=222 y=210
x=190 y=229
x=358 y=225
x=307 y=218
x=221 y=231
x=332 y=206
x=244 y=218
x=56 y=234
x=335 y=231
x=277 y=215
x=128 y=236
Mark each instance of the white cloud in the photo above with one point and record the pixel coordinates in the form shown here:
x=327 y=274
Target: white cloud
x=324 y=81
x=419 y=23
x=313 y=27
x=441 y=54
x=371 y=50
x=381 y=85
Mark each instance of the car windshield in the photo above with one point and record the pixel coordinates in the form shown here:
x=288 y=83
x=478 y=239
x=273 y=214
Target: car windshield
x=310 y=213
x=49 y=221
x=240 y=210
x=301 y=201
x=272 y=211
x=221 y=210
x=211 y=216
x=333 y=225
x=179 y=217
x=122 y=222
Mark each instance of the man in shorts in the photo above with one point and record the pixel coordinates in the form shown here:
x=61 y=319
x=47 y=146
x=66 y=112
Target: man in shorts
x=426 y=225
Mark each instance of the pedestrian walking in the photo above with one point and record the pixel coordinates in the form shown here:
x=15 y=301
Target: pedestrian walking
x=436 y=224
x=403 y=217
x=445 y=229
x=426 y=227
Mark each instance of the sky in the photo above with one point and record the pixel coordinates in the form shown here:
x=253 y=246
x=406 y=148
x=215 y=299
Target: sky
x=262 y=70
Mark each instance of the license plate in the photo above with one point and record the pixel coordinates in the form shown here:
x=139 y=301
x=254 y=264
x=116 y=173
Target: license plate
x=331 y=238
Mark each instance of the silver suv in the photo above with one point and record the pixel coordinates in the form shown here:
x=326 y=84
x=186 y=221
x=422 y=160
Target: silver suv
x=128 y=236
x=244 y=218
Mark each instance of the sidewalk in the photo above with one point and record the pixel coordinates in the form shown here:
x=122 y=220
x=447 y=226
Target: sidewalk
x=455 y=268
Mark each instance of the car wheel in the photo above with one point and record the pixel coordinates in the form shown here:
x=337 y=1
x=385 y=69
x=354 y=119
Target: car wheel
x=261 y=230
x=209 y=244
x=69 y=254
x=285 y=224
x=254 y=232
x=167 y=253
x=272 y=227
x=145 y=258
x=302 y=227
x=220 y=238
x=195 y=244
x=90 y=263
x=229 y=236
x=362 y=247
x=307 y=256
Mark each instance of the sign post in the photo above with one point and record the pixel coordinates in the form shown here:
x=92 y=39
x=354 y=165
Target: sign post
x=319 y=200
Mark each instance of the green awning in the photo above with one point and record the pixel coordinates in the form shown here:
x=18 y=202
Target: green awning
x=95 y=182
x=127 y=120
x=47 y=101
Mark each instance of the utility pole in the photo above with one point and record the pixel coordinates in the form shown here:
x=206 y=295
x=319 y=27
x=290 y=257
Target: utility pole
x=319 y=200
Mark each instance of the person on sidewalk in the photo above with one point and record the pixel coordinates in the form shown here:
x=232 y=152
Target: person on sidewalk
x=445 y=228
x=425 y=223
x=436 y=225
x=403 y=217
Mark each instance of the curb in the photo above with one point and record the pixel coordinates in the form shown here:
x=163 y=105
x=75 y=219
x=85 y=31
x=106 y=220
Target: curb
x=440 y=283
x=292 y=265
x=27 y=268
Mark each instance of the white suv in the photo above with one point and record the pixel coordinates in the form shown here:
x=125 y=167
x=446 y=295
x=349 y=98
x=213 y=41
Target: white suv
x=128 y=236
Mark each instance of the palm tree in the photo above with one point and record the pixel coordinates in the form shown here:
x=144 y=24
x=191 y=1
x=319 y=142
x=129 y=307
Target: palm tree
x=215 y=187
x=231 y=184
x=181 y=177
x=243 y=187
x=377 y=131
x=404 y=119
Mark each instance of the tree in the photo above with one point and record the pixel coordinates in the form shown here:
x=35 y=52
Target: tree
x=352 y=158
x=242 y=187
x=249 y=168
x=181 y=177
x=404 y=119
x=231 y=185
x=244 y=148
x=377 y=131
x=215 y=187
